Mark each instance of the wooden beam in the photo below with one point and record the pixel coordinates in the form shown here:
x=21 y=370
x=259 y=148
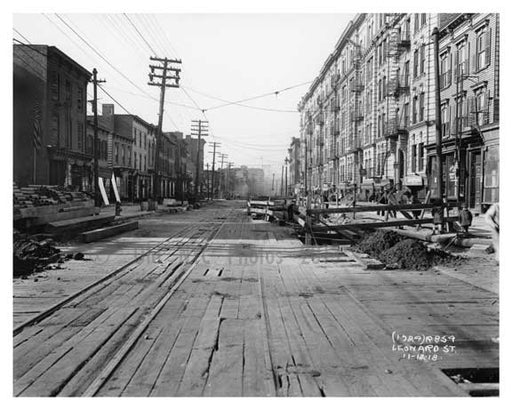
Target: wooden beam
x=374 y=225
x=372 y=208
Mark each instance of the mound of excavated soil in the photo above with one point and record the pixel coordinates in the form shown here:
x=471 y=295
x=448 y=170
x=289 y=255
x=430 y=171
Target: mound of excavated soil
x=377 y=242
x=402 y=253
x=30 y=255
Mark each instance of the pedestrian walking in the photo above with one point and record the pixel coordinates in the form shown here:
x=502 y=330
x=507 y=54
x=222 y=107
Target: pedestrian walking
x=414 y=200
x=492 y=217
x=437 y=215
x=465 y=219
x=391 y=200
x=382 y=201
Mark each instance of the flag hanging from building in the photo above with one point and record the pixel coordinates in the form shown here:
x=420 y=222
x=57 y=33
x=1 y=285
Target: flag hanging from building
x=36 y=137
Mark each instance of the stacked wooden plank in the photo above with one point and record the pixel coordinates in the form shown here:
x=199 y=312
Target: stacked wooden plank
x=36 y=200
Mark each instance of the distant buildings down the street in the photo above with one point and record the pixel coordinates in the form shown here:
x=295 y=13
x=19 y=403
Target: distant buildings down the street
x=54 y=137
x=369 y=117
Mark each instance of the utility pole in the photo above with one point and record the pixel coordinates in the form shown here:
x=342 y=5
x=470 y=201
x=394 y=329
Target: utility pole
x=282 y=178
x=230 y=164
x=439 y=151
x=165 y=68
x=286 y=177
x=207 y=187
x=214 y=145
x=222 y=157
x=199 y=129
x=95 y=82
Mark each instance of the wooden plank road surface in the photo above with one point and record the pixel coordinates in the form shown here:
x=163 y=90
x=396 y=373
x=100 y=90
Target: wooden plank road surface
x=256 y=313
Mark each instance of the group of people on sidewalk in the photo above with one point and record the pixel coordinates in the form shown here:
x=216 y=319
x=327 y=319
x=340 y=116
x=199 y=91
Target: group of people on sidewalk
x=395 y=195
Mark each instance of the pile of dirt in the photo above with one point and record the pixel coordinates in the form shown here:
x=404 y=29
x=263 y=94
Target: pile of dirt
x=415 y=255
x=32 y=256
x=377 y=242
x=399 y=252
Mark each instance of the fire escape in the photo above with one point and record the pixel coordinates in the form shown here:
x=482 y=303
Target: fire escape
x=319 y=146
x=334 y=126
x=398 y=86
x=355 y=144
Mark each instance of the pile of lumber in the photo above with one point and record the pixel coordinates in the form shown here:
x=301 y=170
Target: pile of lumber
x=44 y=195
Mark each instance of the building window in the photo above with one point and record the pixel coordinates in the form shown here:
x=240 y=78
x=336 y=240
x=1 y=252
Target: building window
x=483 y=48
x=406 y=114
x=415 y=110
x=384 y=50
x=482 y=107
x=461 y=60
x=116 y=153
x=422 y=59
x=416 y=22
x=68 y=91
x=380 y=90
x=56 y=129
x=413 y=158
x=422 y=107
x=79 y=98
x=405 y=79
x=445 y=121
x=80 y=136
x=415 y=64
x=446 y=70
x=55 y=85
x=423 y=19
x=369 y=70
x=140 y=161
x=421 y=158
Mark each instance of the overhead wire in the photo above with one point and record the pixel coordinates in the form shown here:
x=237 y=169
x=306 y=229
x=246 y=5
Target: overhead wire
x=277 y=92
x=28 y=55
x=121 y=35
x=152 y=32
x=239 y=104
x=118 y=24
x=101 y=56
x=21 y=35
x=162 y=45
x=113 y=99
x=140 y=34
x=157 y=40
x=109 y=63
x=32 y=58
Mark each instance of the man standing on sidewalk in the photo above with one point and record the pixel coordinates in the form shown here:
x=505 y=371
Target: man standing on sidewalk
x=492 y=216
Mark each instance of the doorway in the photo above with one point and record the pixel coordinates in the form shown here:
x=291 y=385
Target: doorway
x=475 y=179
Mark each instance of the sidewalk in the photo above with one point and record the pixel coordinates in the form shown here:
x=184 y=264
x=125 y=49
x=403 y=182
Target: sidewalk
x=127 y=211
x=478 y=269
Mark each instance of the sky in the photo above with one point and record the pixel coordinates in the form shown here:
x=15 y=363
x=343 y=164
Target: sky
x=228 y=57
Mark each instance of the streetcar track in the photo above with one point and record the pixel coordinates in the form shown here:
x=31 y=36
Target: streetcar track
x=100 y=380
x=155 y=249
x=173 y=262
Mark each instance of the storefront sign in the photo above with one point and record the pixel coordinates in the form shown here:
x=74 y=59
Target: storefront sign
x=413 y=180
